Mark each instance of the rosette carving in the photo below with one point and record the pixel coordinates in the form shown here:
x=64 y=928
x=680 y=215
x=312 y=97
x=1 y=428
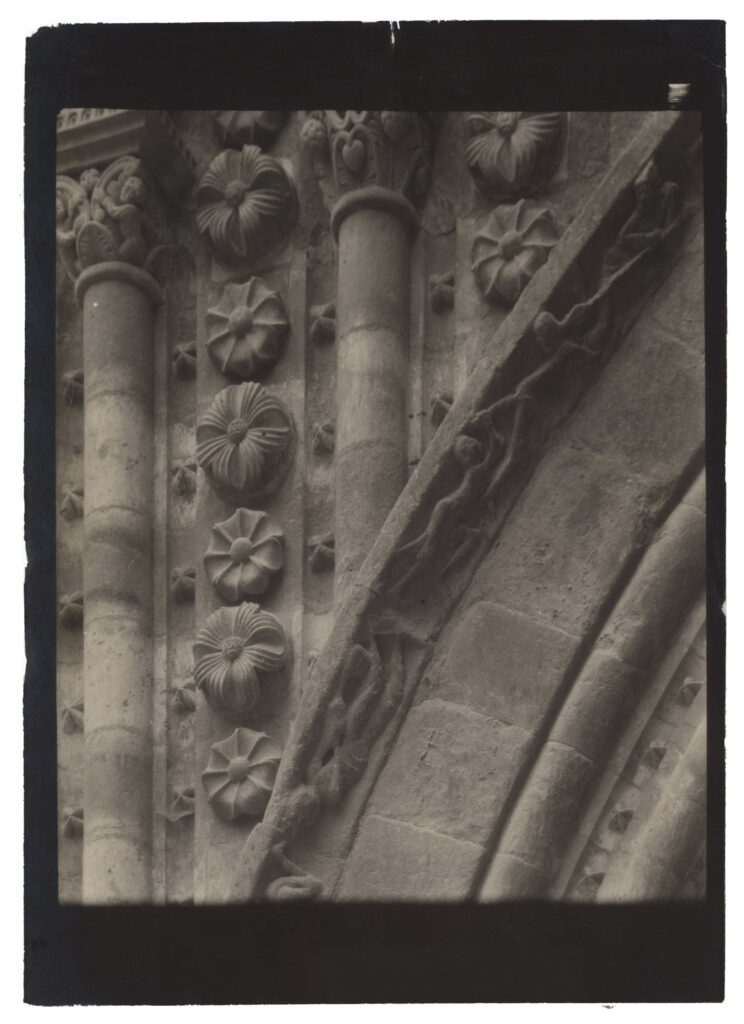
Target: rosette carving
x=512 y=154
x=244 y=439
x=360 y=148
x=246 y=329
x=248 y=127
x=107 y=216
x=244 y=553
x=240 y=775
x=234 y=649
x=247 y=204
x=507 y=252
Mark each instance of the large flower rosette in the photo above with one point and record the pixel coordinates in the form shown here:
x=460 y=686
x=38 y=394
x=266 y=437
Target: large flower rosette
x=509 y=250
x=247 y=204
x=244 y=440
x=233 y=650
x=244 y=553
x=240 y=775
x=512 y=153
x=246 y=329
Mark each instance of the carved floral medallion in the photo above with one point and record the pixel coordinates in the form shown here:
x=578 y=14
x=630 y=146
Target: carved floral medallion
x=247 y=204
x=246 y=329
x=244 y=553
x=240 y=775
x=233 y=650
x=512 y=154
x=509 y=250
x=243 y=441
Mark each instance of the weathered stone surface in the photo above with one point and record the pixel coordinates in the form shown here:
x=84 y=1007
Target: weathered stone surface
x=503 y=664
x=391 y=861
x=450 y=771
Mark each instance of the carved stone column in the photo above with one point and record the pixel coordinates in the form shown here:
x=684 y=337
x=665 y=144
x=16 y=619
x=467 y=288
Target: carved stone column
x=105 y=228
x=370 y=165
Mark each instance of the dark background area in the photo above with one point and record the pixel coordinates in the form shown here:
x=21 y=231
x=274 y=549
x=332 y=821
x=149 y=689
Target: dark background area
x=333 y=952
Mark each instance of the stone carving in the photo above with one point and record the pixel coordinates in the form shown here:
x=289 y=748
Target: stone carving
x=324 y=438
x=512 y=154
x=245 y=552
x=509 y=250
x=442 y=292
x=688 y=692
x=238 y=128
x=589 y=884
x=182 y=804
x=322 y=552
x=71 y=610
x=71 y=116
x=246 y=204
x=72 y=822
x=323 y=323
x=73 y=387
x=356 y=149
x=72 y=716
x=233 y=651
x=183 y=477
x=183 y=584
x=296 y=884
x=243 y=440
x=246 y=329
x=440 y=406
x=497 y=439
x=184 y=361
x=620 y=820
x=72 y=503
x=240 y=775
x=655 y=755
x=184 y=697
x=107 y=216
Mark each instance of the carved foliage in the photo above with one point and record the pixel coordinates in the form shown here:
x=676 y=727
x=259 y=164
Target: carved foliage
x=184 y=360
x=73 y=387
x=246 y=329
x=247 y=204
x=245 y=552
x=107 y=216
x=512 y=154
x=72 y=503
x=71 y=610
x=72 y=716
x=183 y=477
x=512 y=246
x=322 y=552
x=240 y=775
x=360 y=148
x=442 y=292
x=234 y=650
x=72 y=822
x=248 y=127
x=244 y=439
x=323 y=323
x=183 y=584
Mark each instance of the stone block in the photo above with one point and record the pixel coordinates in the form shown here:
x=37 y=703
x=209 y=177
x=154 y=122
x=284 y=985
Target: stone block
x=450 y=771
x=393 y=861
x=566 y=540
x=503 y=664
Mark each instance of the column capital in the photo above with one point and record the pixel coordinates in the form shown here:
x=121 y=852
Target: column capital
x=108 y=217
x=372 y=152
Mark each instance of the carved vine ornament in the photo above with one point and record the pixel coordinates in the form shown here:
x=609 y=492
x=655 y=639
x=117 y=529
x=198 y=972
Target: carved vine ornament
x=332 y=736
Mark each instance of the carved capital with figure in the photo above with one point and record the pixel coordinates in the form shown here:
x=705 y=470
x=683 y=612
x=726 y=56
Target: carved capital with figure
x=108 y=216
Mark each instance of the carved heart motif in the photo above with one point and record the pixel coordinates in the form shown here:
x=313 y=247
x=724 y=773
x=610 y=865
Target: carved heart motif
x=353 y=154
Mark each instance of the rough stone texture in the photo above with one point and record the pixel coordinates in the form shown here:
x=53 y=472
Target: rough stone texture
x=450 y=770
x=396 y=861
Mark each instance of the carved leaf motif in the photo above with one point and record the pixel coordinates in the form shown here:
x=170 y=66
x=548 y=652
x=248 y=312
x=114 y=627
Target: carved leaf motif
x=72 y=821
x=246 y=329
x=184 y=361
x=71 y=610
x=72 y=716
x=239 y=777
x=243 y=438
x=233 y=650
x=511 y=247
x=122 y=206
x=183 y=584
x=95 y=244
x=72 y=504
x=247 y=202
x=512 y=153
x=245 y=552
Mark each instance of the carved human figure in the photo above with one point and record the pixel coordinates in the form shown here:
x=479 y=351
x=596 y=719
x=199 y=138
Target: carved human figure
x=128 y=212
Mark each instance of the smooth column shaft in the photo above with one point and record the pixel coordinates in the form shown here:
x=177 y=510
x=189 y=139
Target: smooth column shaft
x=117 y=583
x=372 y=329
